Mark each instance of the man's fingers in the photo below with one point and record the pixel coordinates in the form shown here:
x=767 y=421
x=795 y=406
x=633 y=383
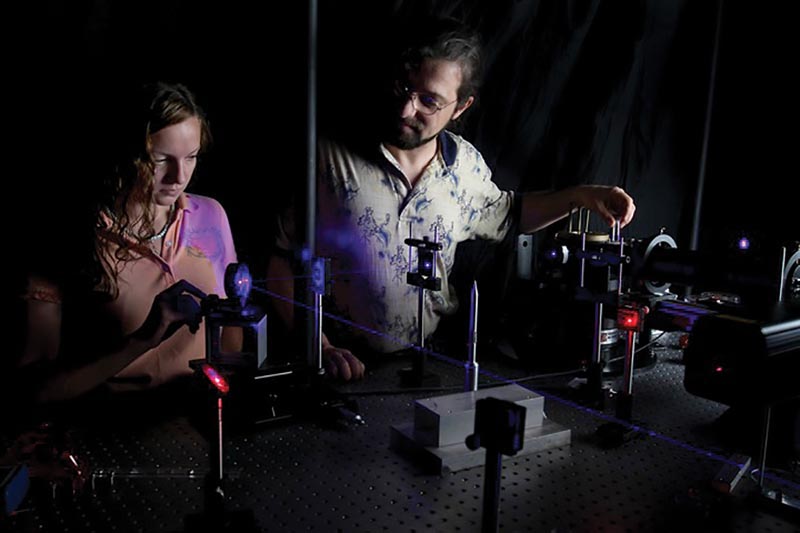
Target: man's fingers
x=356 y=366
x=330 y=366
x=341 y=363
x=606 y=214
x=629 y=215
x=621 y=205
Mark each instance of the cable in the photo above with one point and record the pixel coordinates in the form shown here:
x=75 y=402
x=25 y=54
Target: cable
x=614 y=359
x=481 y=386
x=536 y=377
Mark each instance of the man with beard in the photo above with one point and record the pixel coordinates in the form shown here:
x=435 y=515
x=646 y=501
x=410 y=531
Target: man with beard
x=418 y=180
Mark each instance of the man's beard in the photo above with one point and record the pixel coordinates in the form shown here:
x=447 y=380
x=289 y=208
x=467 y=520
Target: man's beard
x=408 y=140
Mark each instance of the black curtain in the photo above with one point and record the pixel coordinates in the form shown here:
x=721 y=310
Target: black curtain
x=580 y=91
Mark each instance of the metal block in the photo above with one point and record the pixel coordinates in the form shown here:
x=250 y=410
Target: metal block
x=731 y=473
x=457 y=456
x=445 y=420
x=253 y=326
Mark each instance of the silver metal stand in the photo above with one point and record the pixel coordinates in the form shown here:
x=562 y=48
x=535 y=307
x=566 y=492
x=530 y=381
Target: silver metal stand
x=424 y=278
x=471 y=366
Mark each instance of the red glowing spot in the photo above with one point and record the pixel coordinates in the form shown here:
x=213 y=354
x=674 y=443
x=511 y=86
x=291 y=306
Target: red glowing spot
x=628 y=318
x=216 y=379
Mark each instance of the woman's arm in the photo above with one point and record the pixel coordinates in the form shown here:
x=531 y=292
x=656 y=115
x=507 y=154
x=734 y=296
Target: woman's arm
x=50 y=377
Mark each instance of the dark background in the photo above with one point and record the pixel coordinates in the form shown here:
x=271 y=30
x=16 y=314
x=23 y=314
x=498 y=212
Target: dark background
x=592 y=91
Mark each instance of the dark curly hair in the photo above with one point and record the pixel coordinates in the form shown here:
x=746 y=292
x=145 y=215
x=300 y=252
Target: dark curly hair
x=448 y=39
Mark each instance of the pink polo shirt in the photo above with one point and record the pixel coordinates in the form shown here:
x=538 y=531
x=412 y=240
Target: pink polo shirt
x=197 y=247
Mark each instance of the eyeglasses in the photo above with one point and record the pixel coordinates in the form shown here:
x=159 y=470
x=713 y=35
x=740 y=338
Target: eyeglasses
x=423 y=102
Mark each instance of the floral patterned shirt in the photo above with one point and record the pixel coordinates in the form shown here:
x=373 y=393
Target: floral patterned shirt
x=366 y=210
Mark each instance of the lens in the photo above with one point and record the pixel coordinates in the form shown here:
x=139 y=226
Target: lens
x=427 y=103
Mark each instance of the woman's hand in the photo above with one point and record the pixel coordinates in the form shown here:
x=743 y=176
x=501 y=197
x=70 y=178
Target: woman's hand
x=171 y=309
